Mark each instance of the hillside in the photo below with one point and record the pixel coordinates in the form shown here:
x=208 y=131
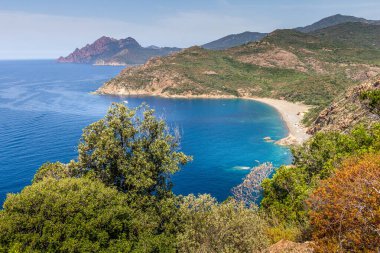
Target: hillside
x=335 y=20
x=110 y=51
x=358 y=35
x=286 y=64
x=234 y=40
x=349 y=109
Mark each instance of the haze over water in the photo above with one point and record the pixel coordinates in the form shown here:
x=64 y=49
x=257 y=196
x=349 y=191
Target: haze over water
x=44 y=106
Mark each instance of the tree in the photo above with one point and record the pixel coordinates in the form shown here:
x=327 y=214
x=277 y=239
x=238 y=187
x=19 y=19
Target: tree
x=228 y=227
x=318 y=158
x=132 y=150
x=284 y=194
x=345 y=209
x=69 y=215
x=56 y=170
x=250 y=190
x=324 y=152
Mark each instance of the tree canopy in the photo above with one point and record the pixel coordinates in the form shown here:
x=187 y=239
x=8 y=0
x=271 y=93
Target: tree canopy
x=345 y=209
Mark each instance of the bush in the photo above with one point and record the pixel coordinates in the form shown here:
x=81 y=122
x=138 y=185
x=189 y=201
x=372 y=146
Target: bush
x=324 y=152
x=228 y=227
x=345 y=209
x=373 y=98
x=284 y=194
x=70 y=215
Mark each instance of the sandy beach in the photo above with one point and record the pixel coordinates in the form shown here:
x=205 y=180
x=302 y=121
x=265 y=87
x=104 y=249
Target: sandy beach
x=292 y=114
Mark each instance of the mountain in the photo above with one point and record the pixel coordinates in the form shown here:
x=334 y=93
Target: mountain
x=110 y=51
x=352 y=34
x=335 y=20
x=349 y=109
x=286 y=64
x=234 y=40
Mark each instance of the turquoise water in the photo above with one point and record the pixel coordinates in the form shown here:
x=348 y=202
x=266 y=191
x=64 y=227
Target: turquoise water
x=44 y=106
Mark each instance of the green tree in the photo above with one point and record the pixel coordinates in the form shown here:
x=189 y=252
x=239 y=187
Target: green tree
x=132 y=150
x=324 y=152
x=284 y=194
x=69 y=215
x=56 y=170
x=208 y=226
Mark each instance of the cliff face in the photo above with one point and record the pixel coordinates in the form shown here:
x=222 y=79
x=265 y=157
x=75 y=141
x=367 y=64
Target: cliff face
x=110 y=51
x=348 y=110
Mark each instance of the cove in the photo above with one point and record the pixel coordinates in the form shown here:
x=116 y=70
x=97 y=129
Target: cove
x=44 y=106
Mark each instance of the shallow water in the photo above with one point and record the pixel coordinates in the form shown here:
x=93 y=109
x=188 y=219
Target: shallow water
x=44 y=106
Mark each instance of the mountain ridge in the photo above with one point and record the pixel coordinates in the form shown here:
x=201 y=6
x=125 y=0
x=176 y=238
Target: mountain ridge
x=110 y=51
x=233 y=40
x=334 y=20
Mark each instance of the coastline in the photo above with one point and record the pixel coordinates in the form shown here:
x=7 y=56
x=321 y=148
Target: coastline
x=291 y=113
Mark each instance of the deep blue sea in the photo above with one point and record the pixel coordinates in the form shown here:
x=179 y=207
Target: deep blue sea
x=45 y=105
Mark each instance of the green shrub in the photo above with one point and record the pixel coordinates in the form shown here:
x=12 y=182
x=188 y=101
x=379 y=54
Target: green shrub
x=227 y=227
x=373 y=97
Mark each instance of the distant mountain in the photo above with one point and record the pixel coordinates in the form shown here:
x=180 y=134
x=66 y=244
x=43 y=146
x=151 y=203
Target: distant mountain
x=110 y=51
x=234 y=40
x=351 y=34
x=335 y=20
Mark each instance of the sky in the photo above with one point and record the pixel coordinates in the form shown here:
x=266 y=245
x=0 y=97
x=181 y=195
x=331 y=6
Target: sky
x=47 y=29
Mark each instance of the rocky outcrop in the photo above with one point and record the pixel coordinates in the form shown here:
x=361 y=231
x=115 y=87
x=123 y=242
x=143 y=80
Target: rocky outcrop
x=110 y=51
x=347 y=111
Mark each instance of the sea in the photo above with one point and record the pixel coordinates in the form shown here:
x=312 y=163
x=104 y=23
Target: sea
x=45 y=105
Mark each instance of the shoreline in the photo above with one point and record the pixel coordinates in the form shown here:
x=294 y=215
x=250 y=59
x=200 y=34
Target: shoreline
x=290 y=112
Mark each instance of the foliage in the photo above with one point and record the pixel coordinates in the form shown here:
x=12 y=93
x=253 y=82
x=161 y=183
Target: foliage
x=69 y=215
x=250 y=190
x=226 y=227
x=285 y=193
x=324 y=152
x=373 y=96
x=345 y=209
x=132 y=150
x=56 y=170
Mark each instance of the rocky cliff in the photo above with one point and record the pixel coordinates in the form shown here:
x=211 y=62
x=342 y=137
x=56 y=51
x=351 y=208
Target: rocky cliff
x=110 y=51
x=348 y=110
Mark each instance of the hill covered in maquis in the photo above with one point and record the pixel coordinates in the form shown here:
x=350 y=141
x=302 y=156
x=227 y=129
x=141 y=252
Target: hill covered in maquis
x=287 y=64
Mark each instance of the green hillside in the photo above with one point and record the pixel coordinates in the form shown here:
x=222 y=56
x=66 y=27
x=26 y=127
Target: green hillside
x=287 y=64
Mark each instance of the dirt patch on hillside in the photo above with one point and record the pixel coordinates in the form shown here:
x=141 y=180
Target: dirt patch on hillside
x=275 y=58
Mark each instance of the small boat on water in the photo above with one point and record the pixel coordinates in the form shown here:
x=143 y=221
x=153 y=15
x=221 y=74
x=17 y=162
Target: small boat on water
x=125 y=102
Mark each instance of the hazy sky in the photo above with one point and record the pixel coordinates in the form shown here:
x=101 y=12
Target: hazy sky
x=40 y=29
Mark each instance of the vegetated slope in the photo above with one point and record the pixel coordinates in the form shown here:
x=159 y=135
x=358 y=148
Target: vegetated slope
x=354 y=107
x=286 y=64
x=234 y=40
x=335 y=20
x=110 y=51
x=357 y=35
